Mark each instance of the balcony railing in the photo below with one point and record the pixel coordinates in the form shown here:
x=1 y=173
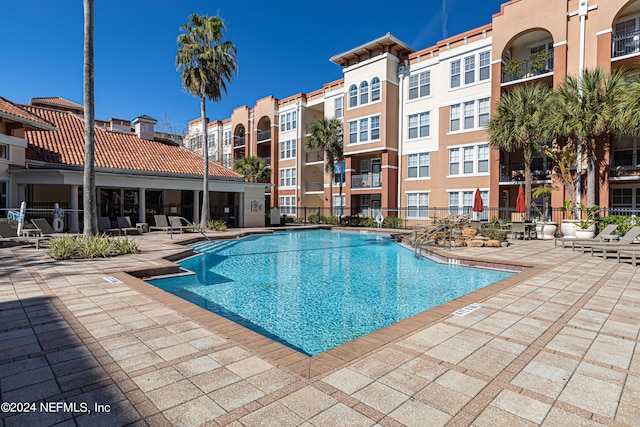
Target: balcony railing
x=366 y=180
x=315 y=186
x=626 y=164
x=314 y=156
x=515 y=172
x=526 y=69
x=626 y=44
x=238 y=141
x=264 y=135
x=267 y=161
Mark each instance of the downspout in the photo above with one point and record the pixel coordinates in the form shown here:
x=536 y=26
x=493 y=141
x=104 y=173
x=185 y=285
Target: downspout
x=583 y=10
x=298 y=154
x=401 y=74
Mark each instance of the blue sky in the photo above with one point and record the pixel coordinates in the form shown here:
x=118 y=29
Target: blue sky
x=283 y=46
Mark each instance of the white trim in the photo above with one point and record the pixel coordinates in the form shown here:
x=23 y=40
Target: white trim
x=377 y=58
x=420 y=151
x=562 y=43
x=372 y=150
x=608 y=30
x=425 y=178
x=389 y=167
x=467 y=99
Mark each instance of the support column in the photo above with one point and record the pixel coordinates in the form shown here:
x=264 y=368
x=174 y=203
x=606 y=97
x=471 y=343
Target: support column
x=142 y=205
x=22 y=193
x=73 y=224
x=196 y=206
x=240 y=218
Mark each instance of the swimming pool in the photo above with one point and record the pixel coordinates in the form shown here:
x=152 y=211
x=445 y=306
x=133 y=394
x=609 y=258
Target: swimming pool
x=314 y=290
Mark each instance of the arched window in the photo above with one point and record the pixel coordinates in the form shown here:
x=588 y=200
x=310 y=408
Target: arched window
x=353 y=96
x=364 y=93
x=375 y=89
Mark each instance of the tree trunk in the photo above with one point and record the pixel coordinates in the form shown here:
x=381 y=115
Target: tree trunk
x=90 y=216
x=331 y=177
x=527 y=183
x=204 y=216
x=591 y=174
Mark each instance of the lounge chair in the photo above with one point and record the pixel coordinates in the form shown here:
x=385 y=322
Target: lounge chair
x=597 y=238
x=176 y=224
x=124 y=223
x=630 y=254
x=605 y=249
x=161 y=223
x=8 y=234
x=105 y=226
x=44 y=227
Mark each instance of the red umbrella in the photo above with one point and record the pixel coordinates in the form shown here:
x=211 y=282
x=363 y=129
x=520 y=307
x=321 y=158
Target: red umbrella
x=477 y=202
x=521 y=206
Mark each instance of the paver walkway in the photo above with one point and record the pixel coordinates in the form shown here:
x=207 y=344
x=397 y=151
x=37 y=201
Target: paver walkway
x=555 y=345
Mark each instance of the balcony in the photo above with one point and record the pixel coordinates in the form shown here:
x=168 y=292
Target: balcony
x=315 y=187
x=264 y=135
x=314 y=157
x=625 y=164
x=626 y=44
x=267 y=161
x=514 y=172
x=524 y=68
x=238 y=141
x=366 y=180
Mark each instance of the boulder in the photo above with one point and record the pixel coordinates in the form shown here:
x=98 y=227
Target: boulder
x=475 y=243
x=460 y=243
x=493 y=244
x=469 y=232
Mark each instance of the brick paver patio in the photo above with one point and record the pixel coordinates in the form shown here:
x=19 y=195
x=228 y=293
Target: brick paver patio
x=553 y=345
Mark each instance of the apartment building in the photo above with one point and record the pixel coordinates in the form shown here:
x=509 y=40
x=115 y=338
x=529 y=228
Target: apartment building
x=415 y=121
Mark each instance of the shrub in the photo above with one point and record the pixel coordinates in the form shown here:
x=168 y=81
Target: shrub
x=493 y=233
x=369 y=222
x=392 y=222
x=101 y=245
x=623 y=222
x=217 y=225
x=317 y=219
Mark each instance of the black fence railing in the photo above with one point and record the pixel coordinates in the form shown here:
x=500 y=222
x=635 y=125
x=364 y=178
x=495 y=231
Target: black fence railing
x=626 y=43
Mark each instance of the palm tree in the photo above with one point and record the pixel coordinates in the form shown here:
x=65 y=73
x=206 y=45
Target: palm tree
x=517 y=126
x=90 y=215
x=253 y=168
x=588 y=109
x=326 y=134
x=206 y=64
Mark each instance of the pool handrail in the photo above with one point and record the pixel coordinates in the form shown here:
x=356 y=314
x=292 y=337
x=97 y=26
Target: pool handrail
x=199 y=230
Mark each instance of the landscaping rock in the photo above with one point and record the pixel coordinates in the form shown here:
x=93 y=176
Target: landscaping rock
x=493 y=244
x=469 y=232
x=475 y=243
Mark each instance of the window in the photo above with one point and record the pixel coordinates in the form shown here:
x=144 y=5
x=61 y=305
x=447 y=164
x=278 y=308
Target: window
x=4 y=152
x=353 y=96
x=375 y=89
x=475 y=115
x=483 y=112
x=227 y=138
x=288 y=205
x=375 y=127
x=417 y=205
x=461 y=202
x=455 y=117
x=288 y=177
x=363 y=130
x=339 y=172
x=289 y=121
x=469 y=69
x=364 y=93
x=469 y=113
x=454 y=161
x=227 y=160
x=475 y=160
x=485 y=65
x=288 y=149
x=418 y=165
x=338 y=106
x=419 y=125
x=455 y=73
x=483 y=158
x=353 y=132
x=420 y=85
x=339 y=202
x=454 y=203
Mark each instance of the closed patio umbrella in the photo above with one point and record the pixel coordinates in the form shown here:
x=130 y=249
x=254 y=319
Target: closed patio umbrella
x=521 y=206
x=477 y=203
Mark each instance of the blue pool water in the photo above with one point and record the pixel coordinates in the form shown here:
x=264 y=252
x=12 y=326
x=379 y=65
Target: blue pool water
x=314 y=290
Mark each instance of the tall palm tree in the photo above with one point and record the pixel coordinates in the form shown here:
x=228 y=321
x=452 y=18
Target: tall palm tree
x=517 y=126
x=587 y=109
x=206 y=64
x=326 y=135
x=253 y=168
x=90 y=215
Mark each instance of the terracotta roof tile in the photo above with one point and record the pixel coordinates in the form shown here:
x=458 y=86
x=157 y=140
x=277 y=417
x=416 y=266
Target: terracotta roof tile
x=113 y=150
x=56 y=101
x=19 y=114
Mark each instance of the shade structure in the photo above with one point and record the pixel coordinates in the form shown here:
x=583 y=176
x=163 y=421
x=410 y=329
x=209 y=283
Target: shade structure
x=477 y=202
x=521 y=206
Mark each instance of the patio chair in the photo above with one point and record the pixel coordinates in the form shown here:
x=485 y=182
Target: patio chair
x=8 y=234
x=605 y=249
x=161 y=223
x=176 y=224
x=519 y=230
x=597 y=238
x=105 y=226
x=44 y=227
x=124 y=223
x=630 y=254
